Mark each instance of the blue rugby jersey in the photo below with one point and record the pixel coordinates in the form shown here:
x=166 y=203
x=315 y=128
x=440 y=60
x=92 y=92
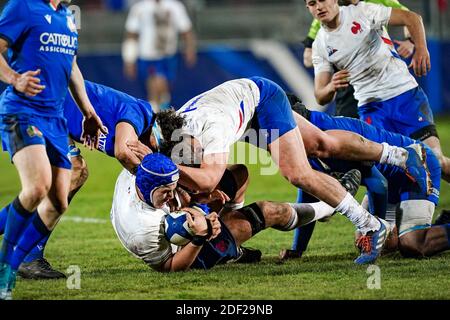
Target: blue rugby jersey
x=39 y=37
x=112 y=107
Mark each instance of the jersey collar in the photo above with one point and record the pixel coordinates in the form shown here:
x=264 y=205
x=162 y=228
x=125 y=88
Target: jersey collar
x=51 y=4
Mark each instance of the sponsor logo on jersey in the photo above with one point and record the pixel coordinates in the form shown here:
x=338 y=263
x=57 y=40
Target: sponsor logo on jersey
x=356 y=27
x=57 y=42
x=71 y=24
x=33 y=131
x=48 y=18
x=331 y=51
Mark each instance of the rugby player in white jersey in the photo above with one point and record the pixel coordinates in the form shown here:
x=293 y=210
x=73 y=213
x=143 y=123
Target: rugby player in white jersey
x=142 y=202
x=218 y=118
x=352 y=40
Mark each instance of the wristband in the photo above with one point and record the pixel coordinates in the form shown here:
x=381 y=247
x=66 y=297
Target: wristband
x=308 y=42
x=198 y=240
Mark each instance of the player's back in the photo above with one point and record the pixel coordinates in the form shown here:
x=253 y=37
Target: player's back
x=112 y=106
x=222 y=113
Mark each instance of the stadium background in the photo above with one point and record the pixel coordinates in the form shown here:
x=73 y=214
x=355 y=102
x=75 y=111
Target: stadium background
x=237 y=38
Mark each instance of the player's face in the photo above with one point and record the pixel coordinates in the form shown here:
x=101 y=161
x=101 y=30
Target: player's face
x=163 y=195
x=323 y=10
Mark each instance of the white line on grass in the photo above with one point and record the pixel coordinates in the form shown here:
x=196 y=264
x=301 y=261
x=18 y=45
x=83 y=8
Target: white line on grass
x=84 y=220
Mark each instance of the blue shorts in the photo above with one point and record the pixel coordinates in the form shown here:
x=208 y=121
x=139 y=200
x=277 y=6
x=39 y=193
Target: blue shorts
x=408 y=114
x=217 y=251
x=274 y=112
x=165 y=67
x=21 y=130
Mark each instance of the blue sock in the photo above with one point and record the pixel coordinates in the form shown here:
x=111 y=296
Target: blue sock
x=303 y=234
x=33 y=234
x=3 y=216
x=17 y=221
x=38 y=251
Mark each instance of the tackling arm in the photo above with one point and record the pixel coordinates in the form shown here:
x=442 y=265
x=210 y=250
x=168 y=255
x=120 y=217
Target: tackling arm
x=125 y=133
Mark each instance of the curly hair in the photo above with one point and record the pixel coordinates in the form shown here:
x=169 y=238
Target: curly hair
x=169 y=121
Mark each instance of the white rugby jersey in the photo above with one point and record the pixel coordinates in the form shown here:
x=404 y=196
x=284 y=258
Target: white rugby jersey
x=360 y=46
x=140 y=227
x=158 y=25
x=219 y=117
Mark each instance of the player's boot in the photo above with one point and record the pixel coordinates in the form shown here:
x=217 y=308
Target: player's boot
x=248 y=255
x=288 y=254
x=39 y=269
x=5 y=272
x=444 y=218
x=350 y=181
x=416 y=167
x=371 y=244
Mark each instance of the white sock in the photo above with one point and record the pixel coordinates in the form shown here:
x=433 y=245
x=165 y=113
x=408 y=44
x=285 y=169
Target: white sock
x=395 y=156
x=309 y=212
x=390 y=213
x=360 y=217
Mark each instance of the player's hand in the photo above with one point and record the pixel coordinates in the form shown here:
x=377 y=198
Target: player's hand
x=196 y=221
x=421 y=61
x=216 y=195
x=92 y=128
x=215 y=223
x=28 y=83
x=184 y=196
x=130 y=70
x=405 y=48
x=340 y=80
x=139 y=149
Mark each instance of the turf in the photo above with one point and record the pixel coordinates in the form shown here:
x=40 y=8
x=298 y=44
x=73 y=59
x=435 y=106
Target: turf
x=326 y=271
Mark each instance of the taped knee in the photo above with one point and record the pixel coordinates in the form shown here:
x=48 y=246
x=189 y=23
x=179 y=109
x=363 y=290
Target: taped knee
x=255 y=217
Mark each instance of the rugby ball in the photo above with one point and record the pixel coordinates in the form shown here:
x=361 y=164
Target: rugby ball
x=176 y=228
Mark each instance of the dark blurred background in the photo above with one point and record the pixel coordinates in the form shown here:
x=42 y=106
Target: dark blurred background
x=240 y=38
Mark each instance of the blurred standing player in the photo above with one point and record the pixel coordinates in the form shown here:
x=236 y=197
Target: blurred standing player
x=388 y=95
x=346 y=105
x=151 y=44
x=42 y=40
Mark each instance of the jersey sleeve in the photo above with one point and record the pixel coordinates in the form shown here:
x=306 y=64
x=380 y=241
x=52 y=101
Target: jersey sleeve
x=13 y=21
x=132 y=23
x=154 y=249
x=378 y=15
x=183 y=22
x=320 y=63
x=131 y=114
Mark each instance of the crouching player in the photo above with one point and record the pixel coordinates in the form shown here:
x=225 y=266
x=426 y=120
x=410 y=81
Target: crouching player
x=415 y=209
x=141 y=204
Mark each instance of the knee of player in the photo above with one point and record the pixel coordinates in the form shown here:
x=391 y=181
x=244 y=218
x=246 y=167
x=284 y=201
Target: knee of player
x=79 y=168
x=36 y=193
x=301 y=178
x=61 y=205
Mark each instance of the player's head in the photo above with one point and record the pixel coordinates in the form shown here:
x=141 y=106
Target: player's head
x=162 y=138
x=156 y=179
x=323 y=10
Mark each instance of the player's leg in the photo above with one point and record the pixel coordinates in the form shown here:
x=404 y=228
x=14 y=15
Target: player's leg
x=416 y=237
x=80 y=172
x=435 y=145
x=234 y=183
x=43 y=223
x=34 y=171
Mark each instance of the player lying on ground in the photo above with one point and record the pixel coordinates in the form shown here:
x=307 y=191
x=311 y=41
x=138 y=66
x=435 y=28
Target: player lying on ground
x=417 y=238
x=218 y=118
x=141 y=216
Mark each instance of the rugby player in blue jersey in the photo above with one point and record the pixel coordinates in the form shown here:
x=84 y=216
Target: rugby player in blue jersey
x=42 y=40
x=417 y=237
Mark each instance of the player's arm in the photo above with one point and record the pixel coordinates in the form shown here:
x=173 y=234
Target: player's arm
x=92 y=124
x=307 y=53
x=207 y=177
x=125 y=133
x=183 y=259
x=27 y=82
x=421 y=58
x=326 y=85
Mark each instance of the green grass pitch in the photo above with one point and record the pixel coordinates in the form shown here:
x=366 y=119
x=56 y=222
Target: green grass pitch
x=325 y=272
